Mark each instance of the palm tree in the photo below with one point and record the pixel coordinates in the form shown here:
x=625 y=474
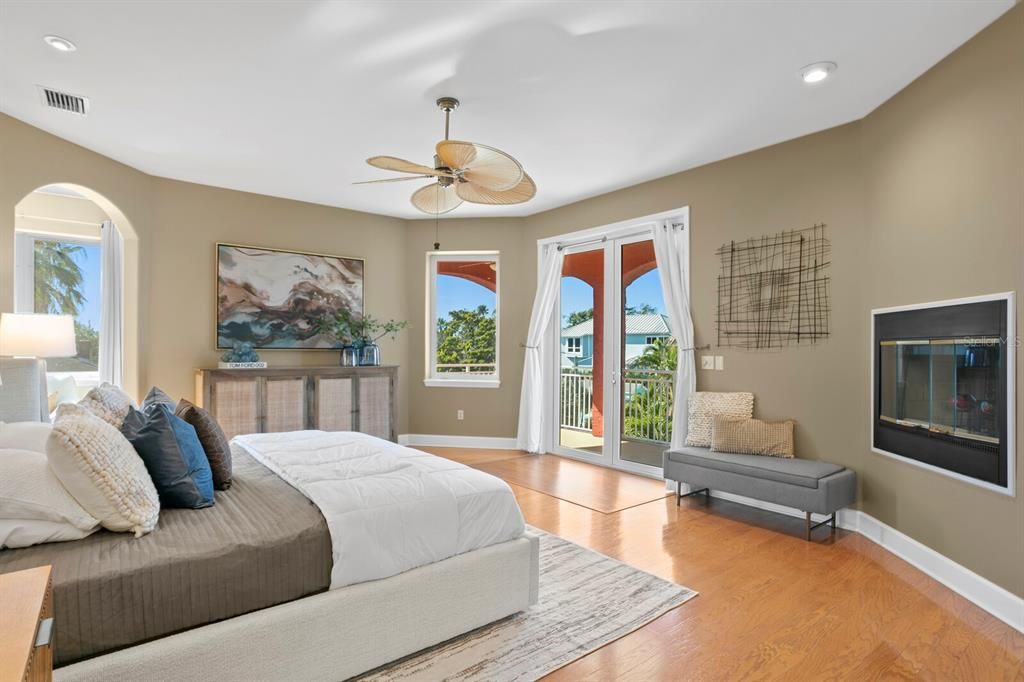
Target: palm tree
x=58 y=278
x=662 y=354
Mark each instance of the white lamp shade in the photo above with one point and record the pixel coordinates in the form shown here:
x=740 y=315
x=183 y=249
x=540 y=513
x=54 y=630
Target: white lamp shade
x=39 y=336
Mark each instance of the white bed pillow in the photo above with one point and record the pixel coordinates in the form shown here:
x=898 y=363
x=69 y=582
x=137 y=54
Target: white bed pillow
x=34 y=506
x=102 y=471
x=109 y=403
x=15 y=533
x=24 y=436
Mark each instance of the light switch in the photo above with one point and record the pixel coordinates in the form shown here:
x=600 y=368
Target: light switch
x=719 y=362
x=707 y=362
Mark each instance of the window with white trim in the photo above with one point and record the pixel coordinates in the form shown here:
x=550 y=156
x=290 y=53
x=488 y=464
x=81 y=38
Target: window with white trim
x=61 y=275
x=462 y=319
x=574 y=345
x=651 y=340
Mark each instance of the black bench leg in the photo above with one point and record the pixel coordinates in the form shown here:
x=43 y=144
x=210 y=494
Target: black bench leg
x=808 y=527
x=679 y=492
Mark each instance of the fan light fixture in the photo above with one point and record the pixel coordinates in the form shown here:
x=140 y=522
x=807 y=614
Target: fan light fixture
x=463 y=171
x=817 y=72
x=59 y=44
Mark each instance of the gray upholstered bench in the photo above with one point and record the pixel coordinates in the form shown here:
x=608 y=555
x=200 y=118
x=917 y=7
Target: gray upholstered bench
x=806 y=484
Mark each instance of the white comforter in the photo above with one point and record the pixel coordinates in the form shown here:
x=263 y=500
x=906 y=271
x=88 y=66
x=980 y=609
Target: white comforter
x=389 y=508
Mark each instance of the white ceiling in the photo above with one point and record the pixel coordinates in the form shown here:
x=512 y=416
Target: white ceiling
x=289 y=98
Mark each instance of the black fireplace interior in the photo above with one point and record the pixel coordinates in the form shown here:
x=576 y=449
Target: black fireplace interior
x=941 y=387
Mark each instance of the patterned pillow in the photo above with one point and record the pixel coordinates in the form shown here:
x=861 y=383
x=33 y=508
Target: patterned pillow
x=109 y=403
x=704 y=405
x=102 y=471
x=752 y=436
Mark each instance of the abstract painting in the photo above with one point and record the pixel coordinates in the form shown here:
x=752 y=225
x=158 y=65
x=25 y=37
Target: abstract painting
x=273 y=298
x=773 y=291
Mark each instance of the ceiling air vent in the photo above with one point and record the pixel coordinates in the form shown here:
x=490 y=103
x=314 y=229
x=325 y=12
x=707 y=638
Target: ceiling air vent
x=55 y=99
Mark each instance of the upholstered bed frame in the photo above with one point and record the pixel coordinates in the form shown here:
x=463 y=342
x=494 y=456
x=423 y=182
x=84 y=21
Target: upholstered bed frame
x=337 y=634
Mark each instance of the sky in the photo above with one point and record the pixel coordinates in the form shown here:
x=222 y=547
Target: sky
x=89 y=260
x=577 y=295
x=454 y=293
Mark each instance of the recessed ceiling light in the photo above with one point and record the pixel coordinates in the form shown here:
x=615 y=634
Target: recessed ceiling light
x=59 y=44
x=817 y=72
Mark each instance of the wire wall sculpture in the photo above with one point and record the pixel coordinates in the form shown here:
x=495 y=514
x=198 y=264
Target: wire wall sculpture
x=773 y=291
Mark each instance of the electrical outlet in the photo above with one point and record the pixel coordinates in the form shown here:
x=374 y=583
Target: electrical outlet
x=707 y=362
x=460 y=415
x=719 y=362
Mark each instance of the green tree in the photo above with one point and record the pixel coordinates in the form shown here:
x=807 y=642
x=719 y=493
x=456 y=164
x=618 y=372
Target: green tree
x=663 y=354
x=466 y=337
x=87 y=341
x=578 y=316
x=58 y=278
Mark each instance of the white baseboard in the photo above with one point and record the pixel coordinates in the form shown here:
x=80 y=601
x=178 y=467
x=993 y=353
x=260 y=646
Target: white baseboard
x=1000 y=602
x=488 y=442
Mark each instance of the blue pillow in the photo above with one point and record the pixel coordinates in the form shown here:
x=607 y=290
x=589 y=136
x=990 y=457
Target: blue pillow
x=173 y=455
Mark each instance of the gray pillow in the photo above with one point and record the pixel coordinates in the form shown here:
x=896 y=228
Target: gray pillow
x=158 y=397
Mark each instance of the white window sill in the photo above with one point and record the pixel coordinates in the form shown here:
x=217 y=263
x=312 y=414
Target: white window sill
x=461 y=383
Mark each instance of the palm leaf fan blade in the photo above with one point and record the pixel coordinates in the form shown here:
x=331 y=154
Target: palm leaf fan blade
x=476 y=194
x=485 y=166
x=435 y=200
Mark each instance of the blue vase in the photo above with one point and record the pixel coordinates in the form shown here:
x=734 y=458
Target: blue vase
x=349 y=356
x=369 y=356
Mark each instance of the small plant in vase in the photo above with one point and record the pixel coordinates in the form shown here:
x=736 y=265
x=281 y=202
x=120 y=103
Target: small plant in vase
x=358 y=335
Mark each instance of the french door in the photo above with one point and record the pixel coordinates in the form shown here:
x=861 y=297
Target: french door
x=614 y=361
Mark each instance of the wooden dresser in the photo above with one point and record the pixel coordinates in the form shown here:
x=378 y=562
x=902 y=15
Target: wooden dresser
x=296 y=398
x=26 y=625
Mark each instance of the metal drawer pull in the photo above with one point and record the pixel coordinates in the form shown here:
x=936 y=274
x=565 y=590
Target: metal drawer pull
x=44 y=635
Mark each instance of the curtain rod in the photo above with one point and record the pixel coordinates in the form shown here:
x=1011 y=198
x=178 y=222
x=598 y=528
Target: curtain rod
x=562 y=245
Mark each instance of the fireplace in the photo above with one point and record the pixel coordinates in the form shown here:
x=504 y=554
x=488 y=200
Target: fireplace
x=941 y=391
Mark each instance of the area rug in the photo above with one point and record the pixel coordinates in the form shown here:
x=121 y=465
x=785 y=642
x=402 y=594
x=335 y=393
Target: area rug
x=586 y=600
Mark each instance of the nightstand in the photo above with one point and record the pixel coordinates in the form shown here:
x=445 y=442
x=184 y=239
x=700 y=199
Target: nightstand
x=26 y=625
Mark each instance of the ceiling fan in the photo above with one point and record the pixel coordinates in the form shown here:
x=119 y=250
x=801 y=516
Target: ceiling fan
x=463 y=171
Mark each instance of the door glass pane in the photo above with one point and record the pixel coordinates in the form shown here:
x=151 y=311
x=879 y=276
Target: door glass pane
x=581 y=373
x=648 y=358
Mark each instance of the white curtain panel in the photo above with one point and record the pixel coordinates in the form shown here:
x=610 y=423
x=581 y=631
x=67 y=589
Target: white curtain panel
x=112 y=308
x=535 y=407
x=672 y=253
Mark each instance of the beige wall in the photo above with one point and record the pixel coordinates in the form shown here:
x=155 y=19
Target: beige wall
x=177 y=224
x=945 y=197
x=937 y=170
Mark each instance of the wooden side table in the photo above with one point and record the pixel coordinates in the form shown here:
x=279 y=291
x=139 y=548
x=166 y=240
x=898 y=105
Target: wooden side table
x=26 y=625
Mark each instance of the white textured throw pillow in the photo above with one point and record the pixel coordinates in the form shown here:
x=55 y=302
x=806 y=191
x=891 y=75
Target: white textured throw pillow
x=704 y=405
x=24 y=435
x=109 y=403
x=34 y=506
x=102 y=471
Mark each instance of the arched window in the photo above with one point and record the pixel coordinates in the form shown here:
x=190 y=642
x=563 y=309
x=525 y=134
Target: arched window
x=69 y=260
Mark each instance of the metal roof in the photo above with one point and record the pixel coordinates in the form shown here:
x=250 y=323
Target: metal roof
x=651 y=324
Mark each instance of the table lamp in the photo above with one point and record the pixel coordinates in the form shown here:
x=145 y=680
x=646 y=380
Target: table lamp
x=37 y=336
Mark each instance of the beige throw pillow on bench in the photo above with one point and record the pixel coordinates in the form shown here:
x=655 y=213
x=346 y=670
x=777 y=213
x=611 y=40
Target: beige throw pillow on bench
x=752 y=436
x=703 y=406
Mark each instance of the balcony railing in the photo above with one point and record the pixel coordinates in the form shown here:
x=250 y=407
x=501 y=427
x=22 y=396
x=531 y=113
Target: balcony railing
x=471 y=368
x=647 y=403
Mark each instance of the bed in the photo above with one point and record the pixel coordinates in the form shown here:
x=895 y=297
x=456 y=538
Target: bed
x=254 y=587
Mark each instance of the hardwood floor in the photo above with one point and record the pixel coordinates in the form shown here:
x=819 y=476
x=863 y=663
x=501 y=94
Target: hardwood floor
x=771 y=605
